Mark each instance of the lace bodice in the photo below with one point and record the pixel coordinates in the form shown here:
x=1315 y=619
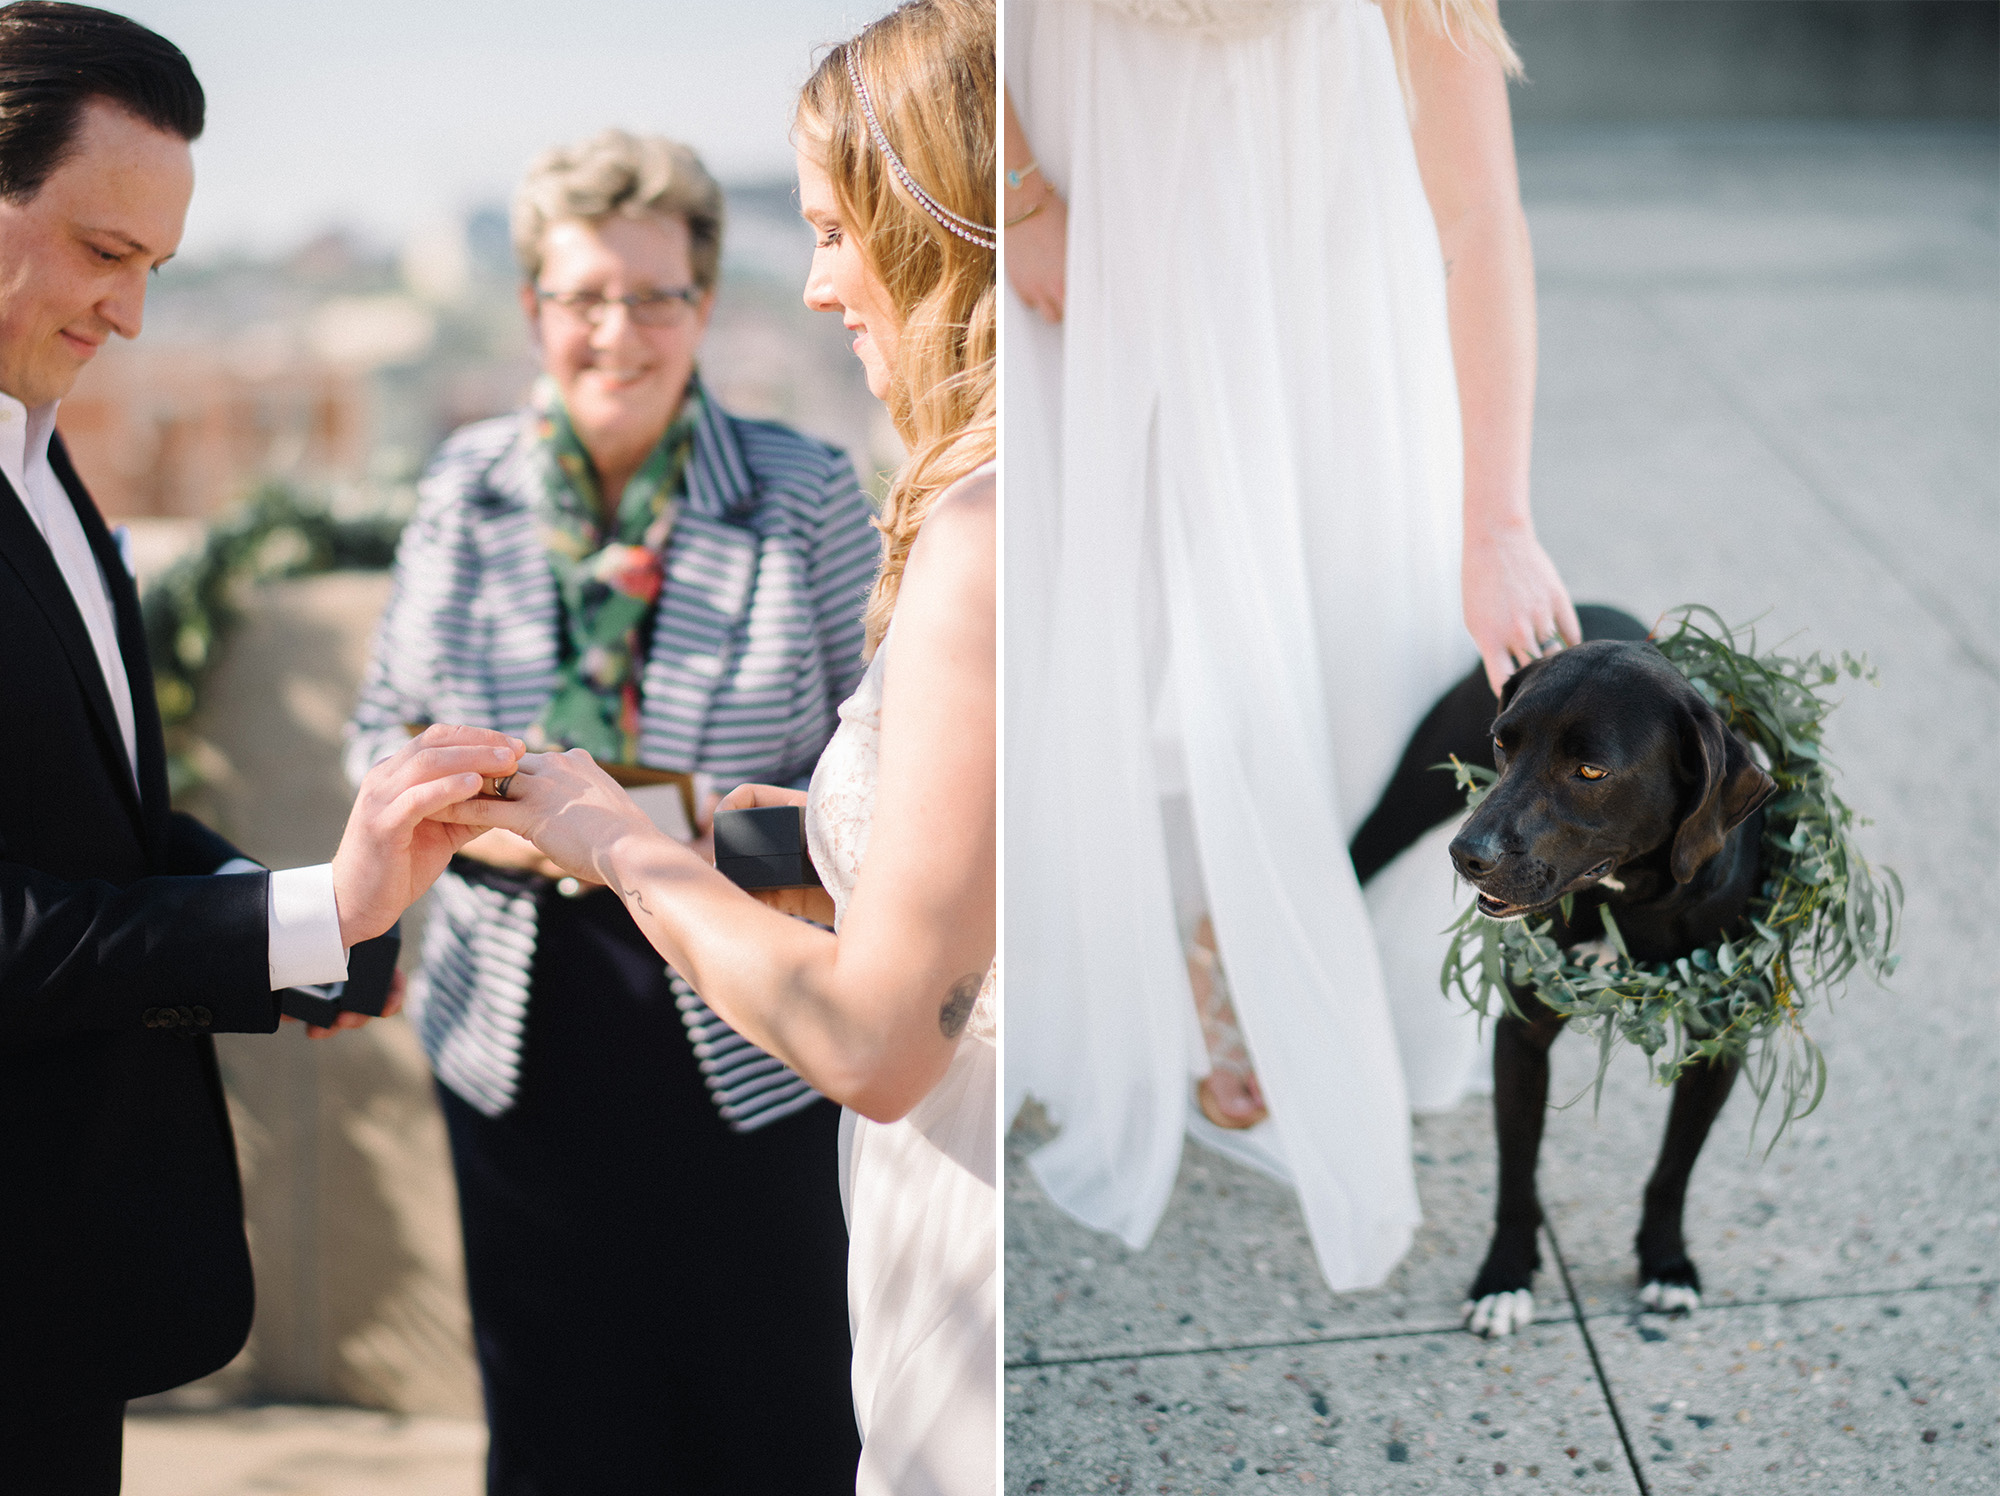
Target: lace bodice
x=841 y=806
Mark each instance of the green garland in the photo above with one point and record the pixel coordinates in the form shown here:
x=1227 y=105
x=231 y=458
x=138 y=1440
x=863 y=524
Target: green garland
x=272 y=535
x=1821 y=912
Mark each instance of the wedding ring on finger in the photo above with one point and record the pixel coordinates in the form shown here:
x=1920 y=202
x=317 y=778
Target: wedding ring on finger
x=497 y=788
x=1551 y=644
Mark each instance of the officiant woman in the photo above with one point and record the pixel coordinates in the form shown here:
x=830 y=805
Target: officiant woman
x=654 y=1244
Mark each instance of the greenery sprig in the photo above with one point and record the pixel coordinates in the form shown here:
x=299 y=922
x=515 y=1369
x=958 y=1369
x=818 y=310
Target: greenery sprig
x=1820 y=913
x=273 y=534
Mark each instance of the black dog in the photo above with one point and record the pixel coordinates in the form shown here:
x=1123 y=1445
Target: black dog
x=1618 y=785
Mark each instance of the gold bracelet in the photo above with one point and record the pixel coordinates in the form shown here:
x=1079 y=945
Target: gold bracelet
x=1024 y=217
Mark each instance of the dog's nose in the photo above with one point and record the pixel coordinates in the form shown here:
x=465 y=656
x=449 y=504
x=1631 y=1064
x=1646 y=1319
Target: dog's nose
x=1475 y=856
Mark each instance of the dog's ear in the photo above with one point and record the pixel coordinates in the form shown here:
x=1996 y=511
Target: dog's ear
x=1513 y=683
x=1728 y=786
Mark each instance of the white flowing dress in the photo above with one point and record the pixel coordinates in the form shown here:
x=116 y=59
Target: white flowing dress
x=1233 y=537
x=922 y=1276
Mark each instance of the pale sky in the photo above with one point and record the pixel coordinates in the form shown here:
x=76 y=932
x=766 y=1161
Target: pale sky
x=382 y=115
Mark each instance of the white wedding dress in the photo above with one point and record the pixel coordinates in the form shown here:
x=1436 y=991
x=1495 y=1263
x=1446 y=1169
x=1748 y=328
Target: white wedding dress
x=922 y=1274
x=1233 y=535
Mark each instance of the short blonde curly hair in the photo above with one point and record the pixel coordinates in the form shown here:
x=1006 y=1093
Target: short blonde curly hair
x=614 y=172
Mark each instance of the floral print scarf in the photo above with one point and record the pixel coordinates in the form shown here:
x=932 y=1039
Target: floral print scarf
x=608 y=569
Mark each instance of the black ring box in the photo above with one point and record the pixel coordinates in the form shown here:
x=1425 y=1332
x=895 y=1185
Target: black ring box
x=764 y=847
x=370 y=965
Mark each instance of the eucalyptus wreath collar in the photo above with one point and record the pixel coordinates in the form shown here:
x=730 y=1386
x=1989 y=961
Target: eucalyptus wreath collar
x=1820 y=912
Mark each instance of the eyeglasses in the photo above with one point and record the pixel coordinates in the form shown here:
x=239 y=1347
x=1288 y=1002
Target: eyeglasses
x=658 y=308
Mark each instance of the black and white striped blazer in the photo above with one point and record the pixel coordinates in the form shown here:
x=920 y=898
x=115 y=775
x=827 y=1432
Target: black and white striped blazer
x=757 y=640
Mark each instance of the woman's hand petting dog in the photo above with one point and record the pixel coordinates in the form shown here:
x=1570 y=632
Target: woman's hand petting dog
x=1515 y=602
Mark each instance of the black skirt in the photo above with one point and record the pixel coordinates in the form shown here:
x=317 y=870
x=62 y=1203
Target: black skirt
x=659 y=1303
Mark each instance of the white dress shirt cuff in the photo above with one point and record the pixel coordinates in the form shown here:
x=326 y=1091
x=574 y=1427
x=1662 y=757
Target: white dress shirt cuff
x=305 y=928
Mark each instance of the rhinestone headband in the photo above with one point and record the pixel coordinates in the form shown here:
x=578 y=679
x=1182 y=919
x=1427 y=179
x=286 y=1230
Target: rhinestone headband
x=950 y=222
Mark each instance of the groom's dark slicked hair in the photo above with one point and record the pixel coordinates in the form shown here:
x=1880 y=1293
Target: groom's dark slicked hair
x=54 y=58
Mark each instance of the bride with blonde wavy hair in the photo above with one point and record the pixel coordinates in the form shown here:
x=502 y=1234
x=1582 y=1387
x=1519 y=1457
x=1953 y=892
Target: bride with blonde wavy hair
x=891 y=1010
x=936 y=270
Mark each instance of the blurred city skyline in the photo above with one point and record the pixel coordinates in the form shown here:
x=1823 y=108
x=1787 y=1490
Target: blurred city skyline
x=389 y=120
x=339 y=364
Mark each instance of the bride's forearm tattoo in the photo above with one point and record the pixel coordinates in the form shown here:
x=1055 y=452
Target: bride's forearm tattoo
x=958 y=1006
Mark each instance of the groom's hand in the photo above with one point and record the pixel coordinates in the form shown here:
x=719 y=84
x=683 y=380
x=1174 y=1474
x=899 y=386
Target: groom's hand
x=390 y=853
x=398 y=989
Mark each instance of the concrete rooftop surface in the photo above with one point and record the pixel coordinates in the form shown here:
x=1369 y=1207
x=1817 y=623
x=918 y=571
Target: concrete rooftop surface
x=1769 y=384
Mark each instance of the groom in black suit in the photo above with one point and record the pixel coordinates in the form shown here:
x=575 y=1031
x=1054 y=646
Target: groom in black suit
x=128 y=932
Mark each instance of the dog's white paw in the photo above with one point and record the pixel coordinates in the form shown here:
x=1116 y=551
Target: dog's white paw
x=1670 y=1298
x=1594 y=953
x=1500 y=1313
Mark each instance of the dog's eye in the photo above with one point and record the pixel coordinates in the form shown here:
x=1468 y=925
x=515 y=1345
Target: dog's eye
x=1590 y=771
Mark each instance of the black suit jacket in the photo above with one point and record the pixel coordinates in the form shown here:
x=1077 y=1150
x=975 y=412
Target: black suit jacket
x=121 y=1216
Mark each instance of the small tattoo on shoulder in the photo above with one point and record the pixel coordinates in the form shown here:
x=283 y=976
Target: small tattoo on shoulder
x=958 y=1006
x=638 y=899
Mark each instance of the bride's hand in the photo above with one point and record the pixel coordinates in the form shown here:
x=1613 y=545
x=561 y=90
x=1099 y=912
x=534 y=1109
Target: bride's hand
x=815 y=904
x=1037 y=248
x=753 y=796
x=807 y=903
x=567 y=806
x=1516 y=607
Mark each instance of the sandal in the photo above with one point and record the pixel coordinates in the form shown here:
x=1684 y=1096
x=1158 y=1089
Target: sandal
x=1228 y=1055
